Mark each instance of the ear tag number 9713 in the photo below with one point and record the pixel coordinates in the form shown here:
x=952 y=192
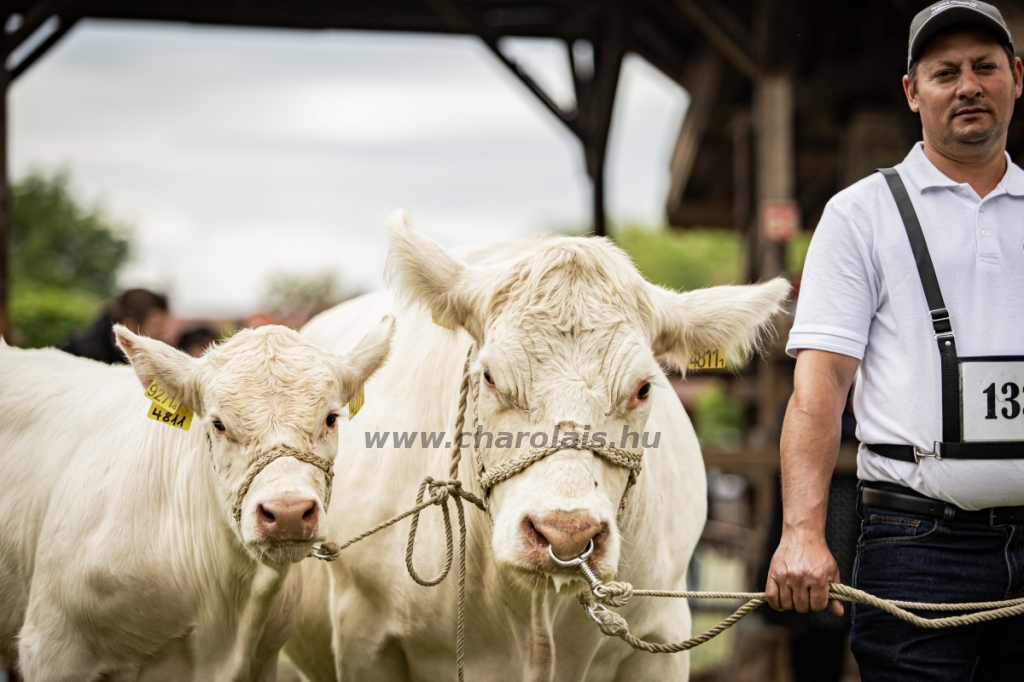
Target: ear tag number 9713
x=166 y=409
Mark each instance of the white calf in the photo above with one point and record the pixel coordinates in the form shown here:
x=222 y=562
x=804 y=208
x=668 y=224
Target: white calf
x=131 y=550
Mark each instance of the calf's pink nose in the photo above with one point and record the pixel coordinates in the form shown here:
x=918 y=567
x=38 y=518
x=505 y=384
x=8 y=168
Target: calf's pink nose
x=287 y=519
x=567 y=532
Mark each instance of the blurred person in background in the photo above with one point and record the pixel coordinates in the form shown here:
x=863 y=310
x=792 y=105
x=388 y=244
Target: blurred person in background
x=196 y=341
x=142 y=311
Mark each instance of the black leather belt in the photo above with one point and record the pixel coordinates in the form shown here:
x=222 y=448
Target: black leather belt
x=926 y=506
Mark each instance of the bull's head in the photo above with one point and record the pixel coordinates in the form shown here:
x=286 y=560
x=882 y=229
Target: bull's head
x=269 y=402
x=568 y=332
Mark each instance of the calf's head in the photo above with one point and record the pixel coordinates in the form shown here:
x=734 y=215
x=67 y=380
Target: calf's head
x=568 y=332
x=268 y=402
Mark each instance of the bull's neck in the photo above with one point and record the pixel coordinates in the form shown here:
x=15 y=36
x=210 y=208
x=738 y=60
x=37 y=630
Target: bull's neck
x=195 y=498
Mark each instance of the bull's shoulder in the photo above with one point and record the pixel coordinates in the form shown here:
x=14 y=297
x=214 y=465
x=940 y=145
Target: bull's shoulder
x=337 y=329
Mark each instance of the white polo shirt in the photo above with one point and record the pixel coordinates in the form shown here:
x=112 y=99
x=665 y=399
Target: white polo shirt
x=861 y=296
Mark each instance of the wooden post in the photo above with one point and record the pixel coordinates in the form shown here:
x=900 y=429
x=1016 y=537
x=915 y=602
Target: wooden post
x=597 y=184
x=776 y=168
x=5 y=216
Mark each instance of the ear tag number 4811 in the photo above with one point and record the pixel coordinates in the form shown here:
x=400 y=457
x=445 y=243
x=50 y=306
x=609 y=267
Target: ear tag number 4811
x=708 y=358
x=166 y=409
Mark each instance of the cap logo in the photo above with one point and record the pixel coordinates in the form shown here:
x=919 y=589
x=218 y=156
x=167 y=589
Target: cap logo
x=953 y=3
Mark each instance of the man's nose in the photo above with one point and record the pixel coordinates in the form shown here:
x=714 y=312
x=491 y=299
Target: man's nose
x=969 y=85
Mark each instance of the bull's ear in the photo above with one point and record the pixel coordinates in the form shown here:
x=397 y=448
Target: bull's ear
x=422 y=271
x=178 y=373
x=359 y=364
x=731 y=318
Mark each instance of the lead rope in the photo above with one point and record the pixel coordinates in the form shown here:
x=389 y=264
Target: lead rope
x=440 y=491
x=618 y=594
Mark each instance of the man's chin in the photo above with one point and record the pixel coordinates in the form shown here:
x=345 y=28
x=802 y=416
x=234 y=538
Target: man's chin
x=973 y=132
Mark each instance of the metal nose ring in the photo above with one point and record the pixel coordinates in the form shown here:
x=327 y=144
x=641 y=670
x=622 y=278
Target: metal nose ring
x=573 y=563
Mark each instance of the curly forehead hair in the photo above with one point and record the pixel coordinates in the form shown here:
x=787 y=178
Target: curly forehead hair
x=912 y=67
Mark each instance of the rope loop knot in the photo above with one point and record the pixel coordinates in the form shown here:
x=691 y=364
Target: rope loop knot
x=440 y=491
x=615 y=594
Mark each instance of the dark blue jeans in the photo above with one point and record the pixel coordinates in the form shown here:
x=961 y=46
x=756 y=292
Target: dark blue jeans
x=919 y=558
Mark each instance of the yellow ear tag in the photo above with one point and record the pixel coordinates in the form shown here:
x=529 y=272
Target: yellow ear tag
x=709 y=358
x=433 y=318
x=357 y=401
x=166 y=409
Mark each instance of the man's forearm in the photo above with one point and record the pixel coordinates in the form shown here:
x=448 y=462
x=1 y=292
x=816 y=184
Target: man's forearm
x=810 y=437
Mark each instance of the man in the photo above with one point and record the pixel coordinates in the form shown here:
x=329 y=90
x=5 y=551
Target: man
x=914 y=284
x=141 y=310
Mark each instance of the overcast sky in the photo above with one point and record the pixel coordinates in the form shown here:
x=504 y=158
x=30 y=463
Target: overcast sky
x=236 y=153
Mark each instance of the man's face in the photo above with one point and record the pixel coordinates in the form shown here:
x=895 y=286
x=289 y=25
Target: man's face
x=155 y=324
x=965 y=90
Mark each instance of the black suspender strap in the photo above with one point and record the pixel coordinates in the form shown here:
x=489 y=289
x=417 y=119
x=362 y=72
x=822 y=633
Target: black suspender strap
x=951 y=445
x=906 y=453
x=937 y=308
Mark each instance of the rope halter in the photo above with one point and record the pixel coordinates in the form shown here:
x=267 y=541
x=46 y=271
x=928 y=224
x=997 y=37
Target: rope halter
x=628 y=459
x=264 y=460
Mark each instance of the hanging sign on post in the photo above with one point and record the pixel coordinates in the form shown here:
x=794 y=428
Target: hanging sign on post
x=780 y=221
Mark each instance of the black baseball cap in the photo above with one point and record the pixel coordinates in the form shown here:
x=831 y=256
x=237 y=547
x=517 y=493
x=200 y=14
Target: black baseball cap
x=946 y=13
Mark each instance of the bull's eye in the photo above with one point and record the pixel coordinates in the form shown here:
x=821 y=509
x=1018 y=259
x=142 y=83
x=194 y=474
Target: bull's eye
x=332 y=419
x=218 y=424
x=487 y=378
x=644 y=390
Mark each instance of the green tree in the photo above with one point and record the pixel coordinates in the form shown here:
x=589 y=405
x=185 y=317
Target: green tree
x=65 y=260
x=287 y=292
x=683 y=259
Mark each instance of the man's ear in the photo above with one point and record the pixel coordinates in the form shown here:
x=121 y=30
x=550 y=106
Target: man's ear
x=422 y=271
x=359 y=364
x=177 y=372
x=733 y=318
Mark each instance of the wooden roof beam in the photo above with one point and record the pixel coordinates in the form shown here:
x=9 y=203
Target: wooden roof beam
x=65 y=12
x=703 y=78
x=457 y=20
x=723 y=39
x=67 y=22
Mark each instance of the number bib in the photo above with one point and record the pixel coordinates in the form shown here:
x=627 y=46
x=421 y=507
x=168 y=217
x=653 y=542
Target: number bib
x=991 y=398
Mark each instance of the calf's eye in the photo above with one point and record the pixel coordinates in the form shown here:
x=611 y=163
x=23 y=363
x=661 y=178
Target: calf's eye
x=219 y=425
x=487 y=377
x=332 y=419
x=644 y=390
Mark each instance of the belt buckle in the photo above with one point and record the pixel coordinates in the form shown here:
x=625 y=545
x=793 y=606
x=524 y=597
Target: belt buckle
x=936 y=452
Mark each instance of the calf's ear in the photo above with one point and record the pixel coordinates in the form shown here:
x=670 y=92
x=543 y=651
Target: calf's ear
x=359 y=364
x=732 y=318
x=178 y=373
x=422 y=271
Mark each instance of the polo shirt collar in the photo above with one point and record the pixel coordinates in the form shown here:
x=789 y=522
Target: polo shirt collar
x=925 y=175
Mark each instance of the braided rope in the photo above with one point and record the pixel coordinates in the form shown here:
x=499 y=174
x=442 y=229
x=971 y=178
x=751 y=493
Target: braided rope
x=264 y=460
x=439 y=493
x=619 y=593
x=623 y=458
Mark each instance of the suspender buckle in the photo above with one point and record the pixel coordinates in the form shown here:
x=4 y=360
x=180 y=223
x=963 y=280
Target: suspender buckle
x=936 y=452
x=941 y=325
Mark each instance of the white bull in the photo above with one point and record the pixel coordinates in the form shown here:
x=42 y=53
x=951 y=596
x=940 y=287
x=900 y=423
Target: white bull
x=131 y=550
x=562 y=332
